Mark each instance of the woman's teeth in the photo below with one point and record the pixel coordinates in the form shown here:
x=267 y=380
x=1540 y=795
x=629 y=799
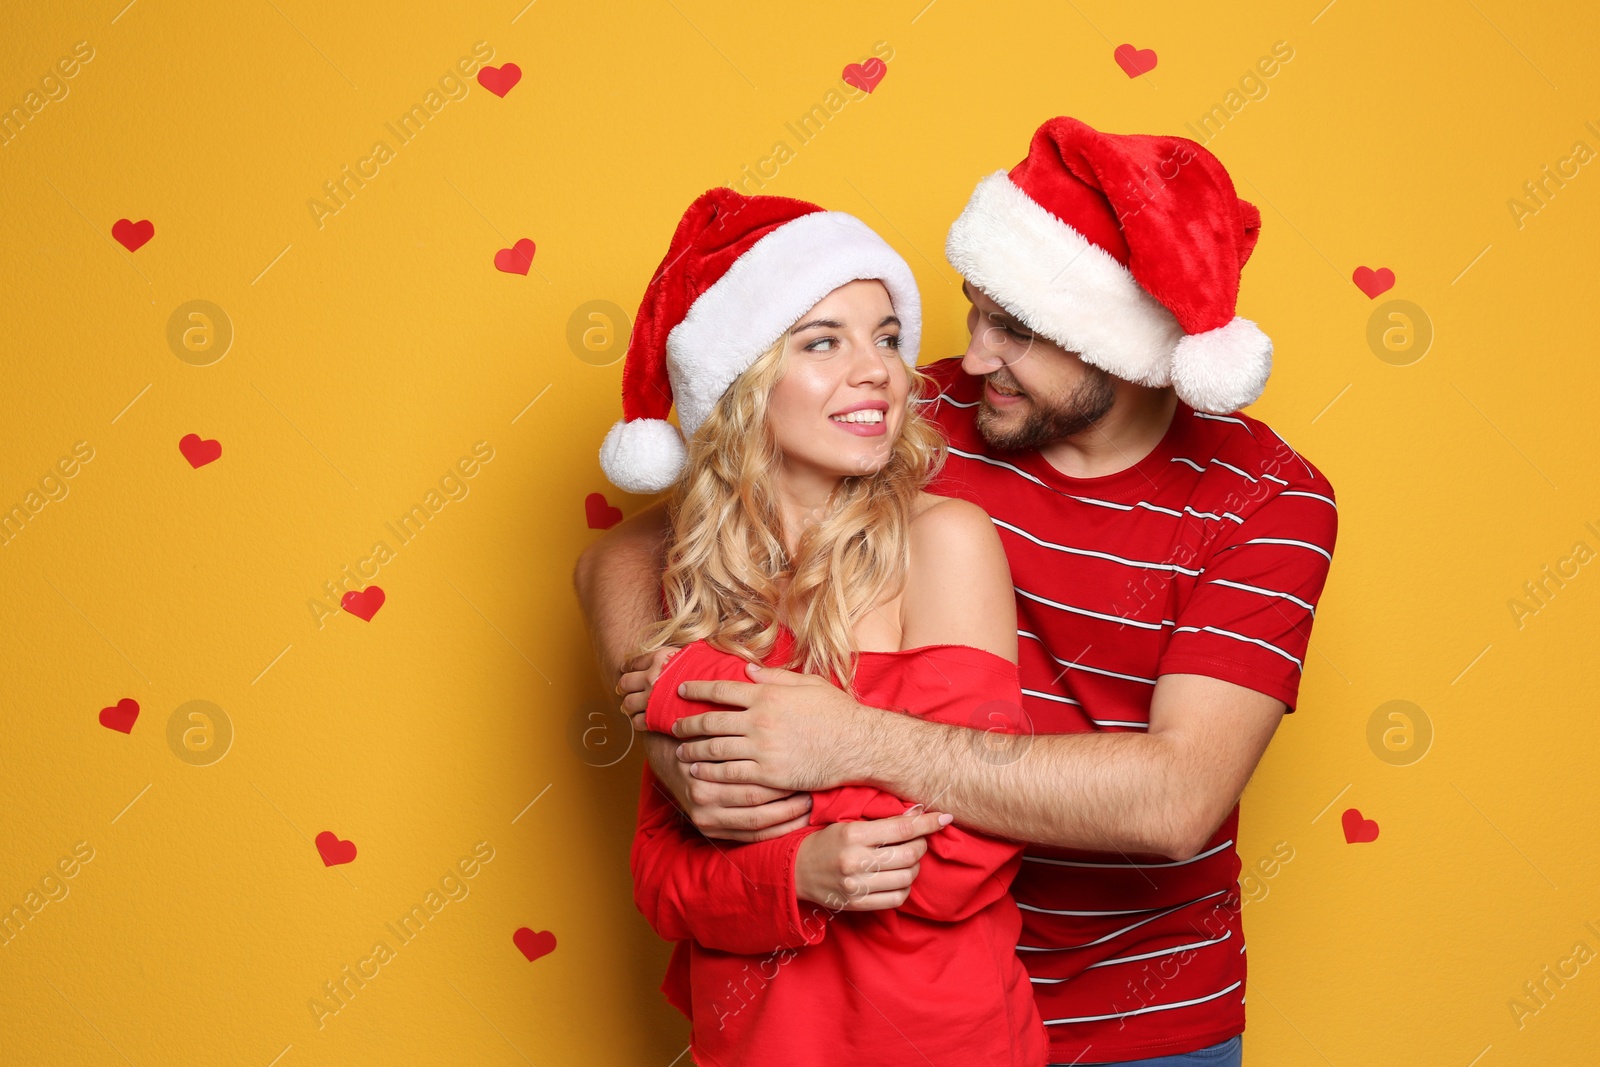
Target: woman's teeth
x=864 y=415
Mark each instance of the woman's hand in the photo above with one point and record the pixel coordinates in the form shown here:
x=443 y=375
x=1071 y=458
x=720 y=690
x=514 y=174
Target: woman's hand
x=636 y=682
x=865 y=865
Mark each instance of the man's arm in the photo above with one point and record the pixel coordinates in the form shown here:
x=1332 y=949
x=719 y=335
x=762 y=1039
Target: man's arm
x=618 y=582
x=1163 y=792
x=1229 y=672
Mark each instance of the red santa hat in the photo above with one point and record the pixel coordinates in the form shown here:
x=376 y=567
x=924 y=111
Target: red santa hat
x=740 y=271
x=1126 y=249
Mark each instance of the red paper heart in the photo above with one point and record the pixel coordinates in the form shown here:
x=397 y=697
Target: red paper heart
x=1135 y=61
x=133 y=235
x=516 y=259
x=363 y=605
x=1358 y=830
x=122 y=716
x=1373 y=282
x=499 y=80
x=199 y=451
x=865 y=76
x=533 y=945
x=601 y=515
x=333 y=850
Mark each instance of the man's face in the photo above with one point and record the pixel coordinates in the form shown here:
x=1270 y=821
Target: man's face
x=1035 y=392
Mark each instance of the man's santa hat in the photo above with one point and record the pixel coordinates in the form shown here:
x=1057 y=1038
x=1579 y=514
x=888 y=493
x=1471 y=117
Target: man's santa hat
x=740 y=271
x=1125 y=249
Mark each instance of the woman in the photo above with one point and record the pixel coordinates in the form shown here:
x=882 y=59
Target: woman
x=801 y=537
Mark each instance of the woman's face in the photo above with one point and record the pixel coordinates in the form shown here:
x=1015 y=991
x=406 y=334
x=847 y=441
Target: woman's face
x=840 y=405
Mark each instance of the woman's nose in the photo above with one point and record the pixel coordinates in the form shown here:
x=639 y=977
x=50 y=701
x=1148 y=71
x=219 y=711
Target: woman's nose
x=871 y=367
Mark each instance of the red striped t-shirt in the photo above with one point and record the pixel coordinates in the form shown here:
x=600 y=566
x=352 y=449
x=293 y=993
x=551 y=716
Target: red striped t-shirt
x=1205 y=557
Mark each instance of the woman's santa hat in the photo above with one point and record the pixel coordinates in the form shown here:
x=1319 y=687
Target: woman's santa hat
x=1125 y=249
x=740 y=271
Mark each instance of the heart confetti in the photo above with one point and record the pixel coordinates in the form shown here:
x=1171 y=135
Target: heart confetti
x=365 y=604
x=516 y=259
x=533 y=945
x=1358 y=830
x=122 y=716
x=133 y=235
x=1135 y=61
x=499 y=80
x=334 y=850
x=198 y=450
x=1373 y=282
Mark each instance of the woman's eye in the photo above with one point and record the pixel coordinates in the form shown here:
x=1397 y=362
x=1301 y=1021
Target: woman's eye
x=892 y=340
x=815 y=346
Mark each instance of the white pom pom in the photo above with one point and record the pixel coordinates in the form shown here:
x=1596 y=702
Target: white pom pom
x=643 y=456
x=1222 y=370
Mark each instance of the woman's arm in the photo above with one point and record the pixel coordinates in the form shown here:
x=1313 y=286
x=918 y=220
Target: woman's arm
x=733 y=898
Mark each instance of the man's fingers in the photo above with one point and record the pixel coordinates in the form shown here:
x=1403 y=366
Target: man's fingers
x=757 y=817
x=716 y=749
x=737 y=772
x=747 y=836
x=634 y=682
x=638 y=722
x=721 y=691
x=710 y=724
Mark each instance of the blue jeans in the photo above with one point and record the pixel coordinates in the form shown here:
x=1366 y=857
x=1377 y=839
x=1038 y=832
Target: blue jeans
x=1227 y=1054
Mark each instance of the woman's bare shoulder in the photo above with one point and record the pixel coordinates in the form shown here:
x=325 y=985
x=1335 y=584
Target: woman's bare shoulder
x=949 y=517
x=958 y=590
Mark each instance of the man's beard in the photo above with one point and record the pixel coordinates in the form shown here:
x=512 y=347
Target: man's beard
x=1050 y=419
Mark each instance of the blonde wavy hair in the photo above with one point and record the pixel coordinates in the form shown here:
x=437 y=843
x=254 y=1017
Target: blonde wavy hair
x=726 y=564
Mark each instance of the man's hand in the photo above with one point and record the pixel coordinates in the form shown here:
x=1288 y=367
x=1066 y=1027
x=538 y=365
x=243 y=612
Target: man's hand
x=726 y=812
x=740 y=813
x=865 y=865
x=796 y=731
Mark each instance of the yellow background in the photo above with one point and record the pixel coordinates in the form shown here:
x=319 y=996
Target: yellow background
x=372 y=352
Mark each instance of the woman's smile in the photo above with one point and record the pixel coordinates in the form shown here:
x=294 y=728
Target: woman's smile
x=867 y=419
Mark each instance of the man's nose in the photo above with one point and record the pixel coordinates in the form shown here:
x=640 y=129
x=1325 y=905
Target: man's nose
x=980 y=359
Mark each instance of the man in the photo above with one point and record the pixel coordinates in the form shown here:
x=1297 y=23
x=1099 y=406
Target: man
x=1167 y=554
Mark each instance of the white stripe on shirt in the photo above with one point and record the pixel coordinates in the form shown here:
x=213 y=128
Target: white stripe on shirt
x=1208 y=853
x=1238 y=637
x=1264 y=592
x=1126 y=911
x=1314 y=496
x=1146 y=1010
x=1143 y=564
x=1118 y=933
x=1318 y=549
x=1141 y=956
x=953 y=450
x=1081 y=667
x=1036 y=598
